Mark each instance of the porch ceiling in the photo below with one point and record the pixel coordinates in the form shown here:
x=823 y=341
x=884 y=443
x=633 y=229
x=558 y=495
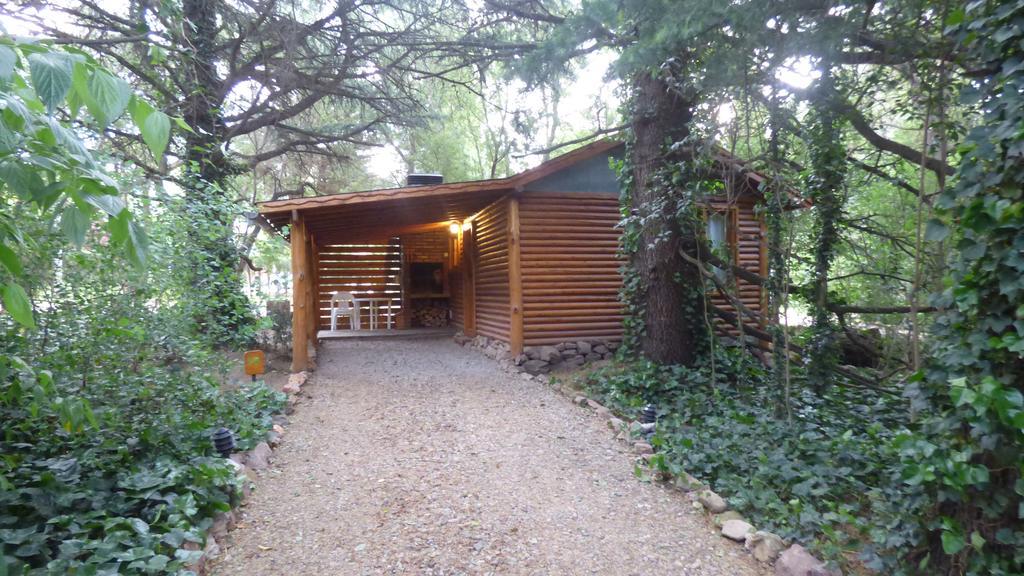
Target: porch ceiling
x=367 y=216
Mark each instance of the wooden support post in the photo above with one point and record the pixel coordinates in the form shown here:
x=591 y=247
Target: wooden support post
x=515 y=280
x=300 y=282
x=469 y=281
x=312 y=297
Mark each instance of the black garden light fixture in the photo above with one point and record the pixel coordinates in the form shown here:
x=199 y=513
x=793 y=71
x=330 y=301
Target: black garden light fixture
x=649 y=415
x=224 y=442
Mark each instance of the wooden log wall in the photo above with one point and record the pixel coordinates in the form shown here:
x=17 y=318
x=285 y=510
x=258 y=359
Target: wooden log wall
x=570 y=267
x=745 y=230
x=491 y=281
x=370 y=270
x=455 y=279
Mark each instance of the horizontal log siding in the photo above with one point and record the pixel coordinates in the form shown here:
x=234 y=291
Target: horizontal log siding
x=747 y=232
x=364 y=270
x=492 y=295
x=571 y=276
x=455 y=282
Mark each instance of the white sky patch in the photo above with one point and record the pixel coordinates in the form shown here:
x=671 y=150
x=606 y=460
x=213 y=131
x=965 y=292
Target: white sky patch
x=383 y=162
x=798 y=73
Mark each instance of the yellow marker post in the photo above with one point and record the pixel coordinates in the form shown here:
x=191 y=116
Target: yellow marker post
x=255 y=363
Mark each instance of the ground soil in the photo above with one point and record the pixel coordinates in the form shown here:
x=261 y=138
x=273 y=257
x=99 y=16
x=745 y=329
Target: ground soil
x=423 y=457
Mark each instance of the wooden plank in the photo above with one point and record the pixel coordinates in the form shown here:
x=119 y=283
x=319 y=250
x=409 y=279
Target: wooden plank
x=300 y=357
x=469 y=266
x=515 y=280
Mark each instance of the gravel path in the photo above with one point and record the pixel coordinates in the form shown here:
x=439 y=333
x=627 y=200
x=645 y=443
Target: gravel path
x=422 y=457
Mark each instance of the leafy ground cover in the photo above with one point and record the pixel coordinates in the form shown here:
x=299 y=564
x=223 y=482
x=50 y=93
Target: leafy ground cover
x=114 y=472
x=827 y=475
x=117 y=474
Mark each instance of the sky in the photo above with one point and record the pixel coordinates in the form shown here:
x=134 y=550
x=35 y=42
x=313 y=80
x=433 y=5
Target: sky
x=574 y=111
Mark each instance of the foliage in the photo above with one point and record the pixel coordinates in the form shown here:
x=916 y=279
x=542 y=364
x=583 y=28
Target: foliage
x=107 y=458
x=967 y=452
x=107 y=394
x=47 y=167
x=826 y=478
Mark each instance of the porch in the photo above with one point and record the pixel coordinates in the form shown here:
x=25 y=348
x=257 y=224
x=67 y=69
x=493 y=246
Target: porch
x=384 y=334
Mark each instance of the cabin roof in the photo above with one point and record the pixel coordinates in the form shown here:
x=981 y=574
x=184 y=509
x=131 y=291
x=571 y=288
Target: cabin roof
x=348 y=216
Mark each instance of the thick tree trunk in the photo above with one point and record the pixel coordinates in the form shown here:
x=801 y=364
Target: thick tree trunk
x=671 y=324
x=219 y=307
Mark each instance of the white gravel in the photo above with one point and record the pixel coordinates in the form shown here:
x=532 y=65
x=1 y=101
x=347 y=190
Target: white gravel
x=422 y=457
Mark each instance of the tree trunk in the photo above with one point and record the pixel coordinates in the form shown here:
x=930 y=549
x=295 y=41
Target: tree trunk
x=217 y=303
x=671 y=321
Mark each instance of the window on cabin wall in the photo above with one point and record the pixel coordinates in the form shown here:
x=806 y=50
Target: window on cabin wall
x=718 y=237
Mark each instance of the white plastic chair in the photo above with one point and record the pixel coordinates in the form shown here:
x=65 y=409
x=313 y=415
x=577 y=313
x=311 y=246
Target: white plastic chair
x=343 y=304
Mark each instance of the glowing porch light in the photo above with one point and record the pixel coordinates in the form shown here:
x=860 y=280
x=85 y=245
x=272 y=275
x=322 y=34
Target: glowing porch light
x=454 y=228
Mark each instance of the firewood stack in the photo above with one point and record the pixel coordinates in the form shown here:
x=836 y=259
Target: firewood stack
x=430 y=316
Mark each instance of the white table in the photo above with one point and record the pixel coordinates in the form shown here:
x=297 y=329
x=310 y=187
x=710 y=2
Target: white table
x=373 y=306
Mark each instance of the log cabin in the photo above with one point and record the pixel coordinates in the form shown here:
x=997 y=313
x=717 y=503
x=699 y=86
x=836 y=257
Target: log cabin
x=526 y=261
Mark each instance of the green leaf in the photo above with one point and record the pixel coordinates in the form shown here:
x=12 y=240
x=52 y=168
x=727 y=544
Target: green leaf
x=125 y=232
x=10 y=260
x=109 y=203
x=75 y=224
x=139 y=110
x=51 y=77
x=952 y=542
x=977 y=541
x=17 y=305
x=156 y=131
x=105 y=95
x=23 y=182
x=138 y=243
x=139 y=525
x=935 y=231
x=154 y=125
x=8 y=59
x=183 y=125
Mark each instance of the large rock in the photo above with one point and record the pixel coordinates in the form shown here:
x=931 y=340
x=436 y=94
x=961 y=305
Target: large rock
x=721 y=519
x=259 y=457
x=222 y=523
x=583 y=347
x=687 y=483
x=550 y=354
x=600 y=349
x=592 y=357
x=712 y=502
x=575 y=361
x=797 y=561
x=736 y=529
x=536 y=367
x=765 y=546
x=212 y=549
x=295 y=383
x=643 y=448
